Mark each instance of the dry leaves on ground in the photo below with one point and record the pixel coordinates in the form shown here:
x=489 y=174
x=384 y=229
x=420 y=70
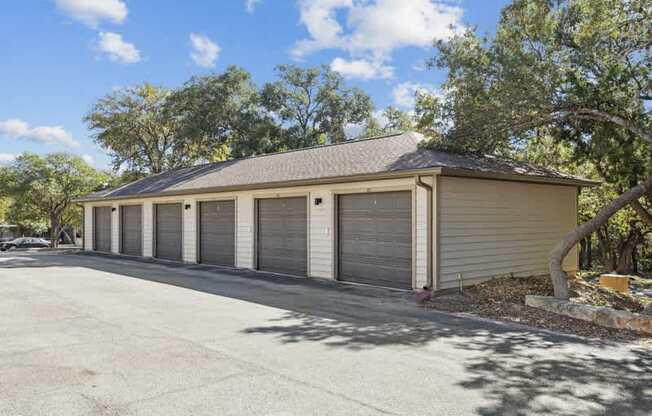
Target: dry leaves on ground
x=504 y=299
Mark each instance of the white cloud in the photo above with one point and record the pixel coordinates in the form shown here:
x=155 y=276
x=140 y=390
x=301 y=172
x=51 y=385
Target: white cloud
x=204 y=51
x=250 y=5
x=375 y=28
x=361 y=68
x=420 y=66
x=405 y=93
x=18 y=129
x=319 y=18
x=117 y=49
x=88 y=159
x=92 y=12
x=7 y=158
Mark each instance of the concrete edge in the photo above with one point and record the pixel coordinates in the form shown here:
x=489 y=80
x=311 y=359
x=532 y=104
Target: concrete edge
x=599 y=315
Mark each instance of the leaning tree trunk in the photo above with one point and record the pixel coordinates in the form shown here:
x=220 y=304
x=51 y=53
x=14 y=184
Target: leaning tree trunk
x=570 y=240
x=55 y=230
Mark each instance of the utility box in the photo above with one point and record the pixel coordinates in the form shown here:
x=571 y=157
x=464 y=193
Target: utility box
x=617 y=282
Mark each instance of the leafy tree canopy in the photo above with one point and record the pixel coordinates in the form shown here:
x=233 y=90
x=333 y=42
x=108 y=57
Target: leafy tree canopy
x=222 y=117
x=42 y=189
x=135 y=126
x=314 y=105
x=574 y=65
x=579 y=70
x=392 y=120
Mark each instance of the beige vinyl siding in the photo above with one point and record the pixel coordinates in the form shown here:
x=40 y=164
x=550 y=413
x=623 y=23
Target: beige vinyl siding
x=115 y=228
x=421 y=234
x=321 y=234
x=244 y=251
x=148 y=228
x=491 y=228
x=88 y=227
x=189 y=248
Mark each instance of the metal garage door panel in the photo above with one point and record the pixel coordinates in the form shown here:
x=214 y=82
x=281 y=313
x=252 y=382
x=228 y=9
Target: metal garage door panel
x=375 y=238
x=102 y=228
x=282 y=235
x=217 y=233
x=168 y=231
x=132 y=230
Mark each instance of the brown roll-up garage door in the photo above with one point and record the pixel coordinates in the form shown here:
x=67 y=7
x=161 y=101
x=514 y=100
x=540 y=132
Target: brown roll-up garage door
x=282 y=235
x=102 y=228
x=131 y=230
x=375 y=239
x=168 y=231
x=217 y=233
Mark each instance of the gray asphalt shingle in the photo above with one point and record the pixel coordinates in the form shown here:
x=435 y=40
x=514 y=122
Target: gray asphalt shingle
x=387 y=154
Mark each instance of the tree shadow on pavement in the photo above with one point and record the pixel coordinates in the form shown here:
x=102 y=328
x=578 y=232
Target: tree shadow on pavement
x=519 y=370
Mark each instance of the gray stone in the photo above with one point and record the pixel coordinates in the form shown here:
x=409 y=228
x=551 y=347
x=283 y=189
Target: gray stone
x=603 y=316
x=648 y=309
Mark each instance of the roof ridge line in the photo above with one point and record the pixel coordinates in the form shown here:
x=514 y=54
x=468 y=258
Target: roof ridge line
x=301 y=149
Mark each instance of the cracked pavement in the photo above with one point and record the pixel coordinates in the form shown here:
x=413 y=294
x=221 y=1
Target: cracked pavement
x=94 y=335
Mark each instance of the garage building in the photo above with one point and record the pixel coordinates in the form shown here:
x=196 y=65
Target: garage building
x=380 y=211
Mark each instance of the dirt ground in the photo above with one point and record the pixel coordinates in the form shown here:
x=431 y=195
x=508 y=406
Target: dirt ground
x=504 y=299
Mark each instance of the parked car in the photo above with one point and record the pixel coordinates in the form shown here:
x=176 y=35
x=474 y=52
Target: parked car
x=24 y=242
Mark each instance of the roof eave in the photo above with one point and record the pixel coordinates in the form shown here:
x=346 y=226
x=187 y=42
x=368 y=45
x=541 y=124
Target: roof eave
x=519 y=177
x=268 y=185
x=353 y=178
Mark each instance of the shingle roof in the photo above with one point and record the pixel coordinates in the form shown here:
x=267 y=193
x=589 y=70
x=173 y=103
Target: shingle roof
x=382 y=155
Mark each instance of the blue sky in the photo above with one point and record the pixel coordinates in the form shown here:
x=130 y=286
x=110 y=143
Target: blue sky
x=57 y=57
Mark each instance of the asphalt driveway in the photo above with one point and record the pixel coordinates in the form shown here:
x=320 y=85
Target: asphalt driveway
x=90 y=335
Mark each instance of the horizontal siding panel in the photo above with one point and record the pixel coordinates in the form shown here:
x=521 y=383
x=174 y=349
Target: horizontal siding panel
x=506 y=231
x=452 y=250
x=516 y=270
x=512 y=224
x=499 y=263
x=496 y=251
x=321 y=244
x=490 y=228
x=470 y=263
x=496 y=238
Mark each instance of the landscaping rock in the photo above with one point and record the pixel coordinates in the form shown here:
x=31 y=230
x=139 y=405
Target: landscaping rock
x=647 y=310
x=603 y=316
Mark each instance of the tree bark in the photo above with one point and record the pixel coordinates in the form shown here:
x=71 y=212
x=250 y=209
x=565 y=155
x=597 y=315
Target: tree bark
x=597 y=115
x=586 y=253
x=642 y=213
x=589 y=253
x=55 y=229
x=607 y=255
x=570 y=240
x=625 y=257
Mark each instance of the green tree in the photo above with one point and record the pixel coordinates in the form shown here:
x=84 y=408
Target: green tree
x=42 y=189
x=619 y=238
x=314 y=105
x=395 y=120
x=138 y=130
x=222 y=117
x=5 y=204
x=580 y=68
x=372 y=127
